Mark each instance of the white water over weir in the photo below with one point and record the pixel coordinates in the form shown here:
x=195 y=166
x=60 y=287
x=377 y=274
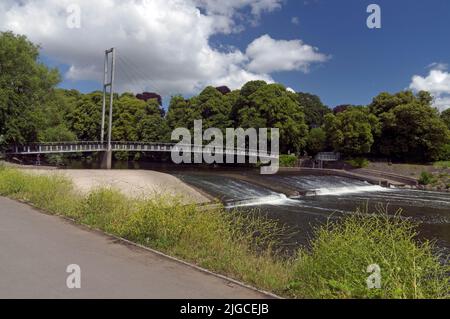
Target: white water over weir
x=277 y=199
x=326 y=197
x=347 y=190
x=331 y=186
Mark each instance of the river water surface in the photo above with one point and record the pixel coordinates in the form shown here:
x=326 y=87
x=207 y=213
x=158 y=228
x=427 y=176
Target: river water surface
x=335 y=197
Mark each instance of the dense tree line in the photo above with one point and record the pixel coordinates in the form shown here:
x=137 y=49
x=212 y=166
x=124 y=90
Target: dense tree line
x=402 y=126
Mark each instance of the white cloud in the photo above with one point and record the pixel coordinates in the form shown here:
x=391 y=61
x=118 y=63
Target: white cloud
x=268 y=55
x=437 y=82
x=162 y=45
x=230 y=7
x=438 y=66
x=442 y=103
x=295 y=20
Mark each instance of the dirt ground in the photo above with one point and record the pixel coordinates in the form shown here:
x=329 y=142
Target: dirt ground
x=133 y=183
x=409 y=170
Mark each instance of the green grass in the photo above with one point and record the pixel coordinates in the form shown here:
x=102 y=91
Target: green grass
x=288 y=160
x=442 y=164
x=245 y=246
x=427 y=178
x=336 y=266
x=359 y=162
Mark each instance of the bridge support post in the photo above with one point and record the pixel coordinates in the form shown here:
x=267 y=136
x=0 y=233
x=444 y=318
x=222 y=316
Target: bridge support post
x=106 y=162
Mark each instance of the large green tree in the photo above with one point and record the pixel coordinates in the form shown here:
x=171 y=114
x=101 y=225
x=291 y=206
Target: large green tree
x=315 y=110
x=137 y=120
x=352 y=132
x=317 y=141
x=412 y=129
x=445 y=116
x=181 y=113
x=263 y=105
x=26 y=86
x=413 y=132
x=84 y=118
x=214 y=108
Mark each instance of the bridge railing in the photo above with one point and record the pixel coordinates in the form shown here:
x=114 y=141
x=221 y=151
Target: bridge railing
x=57 y=148
x=95 y=146
x=328 y=157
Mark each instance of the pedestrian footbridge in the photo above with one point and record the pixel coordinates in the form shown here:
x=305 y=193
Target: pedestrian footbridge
x=96 y=146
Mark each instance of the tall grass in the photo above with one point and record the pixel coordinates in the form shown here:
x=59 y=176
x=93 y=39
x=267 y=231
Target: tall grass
x=336 y=266
x=244 y=246
x=442 y=164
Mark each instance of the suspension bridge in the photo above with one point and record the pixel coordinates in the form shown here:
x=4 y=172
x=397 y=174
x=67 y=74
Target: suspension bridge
x=106 y=148
x=144 y=147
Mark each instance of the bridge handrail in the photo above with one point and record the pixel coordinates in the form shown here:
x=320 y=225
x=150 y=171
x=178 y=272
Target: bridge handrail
x=35 y=145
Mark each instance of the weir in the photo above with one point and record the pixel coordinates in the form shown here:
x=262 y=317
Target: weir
x=254 y=190
x=330 y=197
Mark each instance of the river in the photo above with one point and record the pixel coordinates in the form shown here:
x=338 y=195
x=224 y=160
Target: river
x=335 y=197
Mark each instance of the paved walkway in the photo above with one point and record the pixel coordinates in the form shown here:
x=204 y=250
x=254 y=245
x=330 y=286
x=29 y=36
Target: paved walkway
x=35 y=250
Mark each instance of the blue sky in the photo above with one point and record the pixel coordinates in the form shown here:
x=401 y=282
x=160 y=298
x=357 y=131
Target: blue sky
x=175 y=50
x=364 y=61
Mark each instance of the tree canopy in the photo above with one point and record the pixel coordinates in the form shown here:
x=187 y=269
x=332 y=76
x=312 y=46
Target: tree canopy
x=402 y=126
x=262 y=105
x=411 y=129
x=352 y=132
x=445 y=116
x=25 y=87
x=314 y=109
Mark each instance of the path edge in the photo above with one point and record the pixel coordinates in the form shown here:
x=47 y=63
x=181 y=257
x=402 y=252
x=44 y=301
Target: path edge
x=148 y=249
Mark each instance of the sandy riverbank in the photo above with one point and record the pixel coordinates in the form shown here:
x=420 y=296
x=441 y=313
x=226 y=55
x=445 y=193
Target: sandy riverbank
x=133 y=183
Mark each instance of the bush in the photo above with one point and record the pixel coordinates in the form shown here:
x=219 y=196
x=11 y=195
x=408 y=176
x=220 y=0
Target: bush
x=288 y=160
x=359 y=162
x=426 y=178
x=445 y=153
x=336 y=266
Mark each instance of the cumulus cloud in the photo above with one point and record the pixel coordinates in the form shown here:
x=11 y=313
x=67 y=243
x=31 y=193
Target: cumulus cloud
x=437 y=82
x=162 y=45
x=268 y=55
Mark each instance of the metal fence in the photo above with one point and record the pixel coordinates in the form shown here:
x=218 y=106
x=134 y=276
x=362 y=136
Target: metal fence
x=95 y=146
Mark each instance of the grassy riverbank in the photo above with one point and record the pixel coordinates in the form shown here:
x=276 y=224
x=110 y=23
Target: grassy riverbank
x=243 y=246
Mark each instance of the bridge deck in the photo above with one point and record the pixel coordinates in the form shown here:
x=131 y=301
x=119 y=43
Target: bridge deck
x=81 y=147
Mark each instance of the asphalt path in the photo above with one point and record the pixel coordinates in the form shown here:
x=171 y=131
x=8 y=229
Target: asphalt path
x=36 y=250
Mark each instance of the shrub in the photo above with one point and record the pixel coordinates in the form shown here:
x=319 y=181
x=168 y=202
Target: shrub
x=359 y=162
x=426 y=178
x=336 y=266
x=288 y=160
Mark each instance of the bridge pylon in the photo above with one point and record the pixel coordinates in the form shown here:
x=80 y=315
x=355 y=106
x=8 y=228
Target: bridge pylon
x=108 y=82
x=106 y=160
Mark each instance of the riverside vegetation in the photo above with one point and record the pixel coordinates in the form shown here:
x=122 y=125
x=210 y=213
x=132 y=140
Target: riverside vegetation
x=245 y=246
x=402 y=127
